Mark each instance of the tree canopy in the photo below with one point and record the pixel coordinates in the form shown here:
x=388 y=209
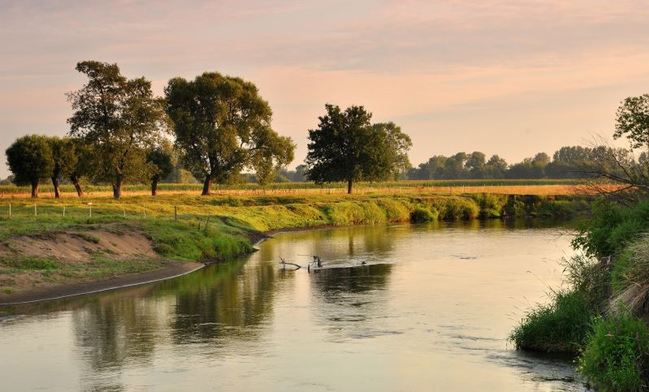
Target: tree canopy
x=633 y=121
x=30 y=160
x=222 y=126
x=346 y=146
x=119 y=117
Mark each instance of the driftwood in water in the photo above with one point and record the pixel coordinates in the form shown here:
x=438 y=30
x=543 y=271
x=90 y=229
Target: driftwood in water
x=284 y=263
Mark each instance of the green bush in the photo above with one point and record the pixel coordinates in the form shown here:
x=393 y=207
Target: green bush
x=422 y=215
x=491 y=205
x=616 y=357
x=395 y=210
x=560 y=327
x=612 y=227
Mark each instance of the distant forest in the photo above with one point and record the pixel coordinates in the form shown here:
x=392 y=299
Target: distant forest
x=567 y=162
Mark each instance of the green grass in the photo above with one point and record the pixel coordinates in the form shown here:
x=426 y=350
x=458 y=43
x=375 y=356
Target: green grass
x=559 y=327
x=616 y=358
x=183 y=241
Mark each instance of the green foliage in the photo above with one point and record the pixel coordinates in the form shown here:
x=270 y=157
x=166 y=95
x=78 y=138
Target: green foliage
x=491 y=206
x=590 y=277
x=616 y=357
x=612 y=227
x=395 y=210
x=423 y=215
x=189 y=242
x=620 y=271
x=560 y=327
x=347 y=147
x=223 y=126
x=633 y=121
x=453 y=208
x=564 y=323
x=30 y=160
x=120 y=118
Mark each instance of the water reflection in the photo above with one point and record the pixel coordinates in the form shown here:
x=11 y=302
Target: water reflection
x=414 y=304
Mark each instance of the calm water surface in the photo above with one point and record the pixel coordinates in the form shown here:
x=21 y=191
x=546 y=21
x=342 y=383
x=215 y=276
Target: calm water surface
x=430 y=310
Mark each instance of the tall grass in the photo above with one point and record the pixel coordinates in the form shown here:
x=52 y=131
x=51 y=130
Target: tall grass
x=616 y=357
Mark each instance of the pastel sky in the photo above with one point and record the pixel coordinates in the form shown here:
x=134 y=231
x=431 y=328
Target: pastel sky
x=512 y=77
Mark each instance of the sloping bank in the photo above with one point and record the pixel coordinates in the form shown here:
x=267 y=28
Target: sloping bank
x=39 y=262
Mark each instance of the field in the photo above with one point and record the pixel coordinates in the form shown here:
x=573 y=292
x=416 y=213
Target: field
x=546 y=187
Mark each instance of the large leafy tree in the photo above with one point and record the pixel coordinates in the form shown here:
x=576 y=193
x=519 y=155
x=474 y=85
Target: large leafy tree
x=120 y=118
x=30 y=160
x=347 y=147
x=222 y=127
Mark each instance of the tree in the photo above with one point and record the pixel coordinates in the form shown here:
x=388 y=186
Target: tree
x=84 y=163
x=119 y=117
x=30 y=160
x=454 y=166
x=64 y=159
x=347 y=147
x=161 y=161
x=496 y=167
x=223 y=126
x=475 y=164
x=633 y=121
x=273 y=153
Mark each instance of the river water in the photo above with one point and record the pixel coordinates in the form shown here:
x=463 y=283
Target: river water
x=430 y=310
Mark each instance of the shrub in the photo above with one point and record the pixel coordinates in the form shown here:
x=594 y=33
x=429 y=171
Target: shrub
x=616 y=357
x=395 y=210
x=612 y=227
x=491 y=205
x=422 y=215
x=560 y=327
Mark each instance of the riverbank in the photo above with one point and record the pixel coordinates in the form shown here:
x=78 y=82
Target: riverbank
x=47 y=251
x=601 y=315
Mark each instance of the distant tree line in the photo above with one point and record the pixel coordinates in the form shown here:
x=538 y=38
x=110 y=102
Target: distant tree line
x=567 y=162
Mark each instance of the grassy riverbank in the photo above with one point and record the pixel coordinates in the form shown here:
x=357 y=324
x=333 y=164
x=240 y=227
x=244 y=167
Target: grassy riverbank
x=602 y=316
x=193 y=228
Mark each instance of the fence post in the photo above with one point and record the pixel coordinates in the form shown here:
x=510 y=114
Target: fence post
x=9 y=210
x=64 y=211
x=90 y=210
x=124 y=211
x=175 y=213
x=35 y=210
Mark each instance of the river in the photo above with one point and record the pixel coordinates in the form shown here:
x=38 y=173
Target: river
x=429 y=310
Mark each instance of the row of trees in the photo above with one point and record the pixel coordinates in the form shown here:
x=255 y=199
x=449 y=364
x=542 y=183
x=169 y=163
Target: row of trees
x=121 y=132
x=567 y=162
x=219 y=126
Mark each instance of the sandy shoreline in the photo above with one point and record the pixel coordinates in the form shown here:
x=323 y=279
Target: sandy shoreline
x=171 y=270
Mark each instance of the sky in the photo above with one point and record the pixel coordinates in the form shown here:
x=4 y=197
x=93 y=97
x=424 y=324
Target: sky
x=507 y=77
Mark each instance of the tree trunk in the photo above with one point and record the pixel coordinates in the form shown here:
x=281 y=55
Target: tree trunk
x=206 y=185
x=77 y=186
x=35 y=190
x=117 y=187
x=154 y=187
x=349 y=187
x=55 y=184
